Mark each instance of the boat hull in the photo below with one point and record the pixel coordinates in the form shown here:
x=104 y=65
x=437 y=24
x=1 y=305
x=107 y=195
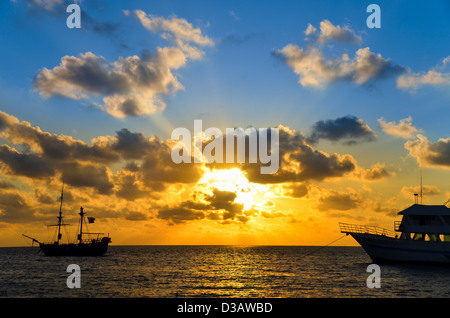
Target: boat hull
x=387 y=249
x=95 y=248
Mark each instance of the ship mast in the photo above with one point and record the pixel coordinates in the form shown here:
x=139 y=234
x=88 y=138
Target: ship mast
x=81 y=223
x=60 y=215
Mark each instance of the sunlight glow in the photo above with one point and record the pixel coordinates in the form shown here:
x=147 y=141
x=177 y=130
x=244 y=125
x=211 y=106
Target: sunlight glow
x=234 y=180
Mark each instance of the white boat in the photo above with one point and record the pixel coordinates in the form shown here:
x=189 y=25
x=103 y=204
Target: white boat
x=422 y=236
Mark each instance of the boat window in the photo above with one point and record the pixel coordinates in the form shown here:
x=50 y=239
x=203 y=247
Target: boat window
x=418 y=237
x=421 y=220
x=444 y=237
x=431 y=237
x=446 y=219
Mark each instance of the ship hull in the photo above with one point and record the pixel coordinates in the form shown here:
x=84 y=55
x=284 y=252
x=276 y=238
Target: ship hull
x=388 y=249
x=97 y=248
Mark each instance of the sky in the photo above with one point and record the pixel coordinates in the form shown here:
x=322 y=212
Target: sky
x=361 y=112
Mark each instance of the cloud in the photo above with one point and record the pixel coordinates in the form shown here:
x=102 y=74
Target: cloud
x=44 y=197
x=236 y=39
x=87 y=175
x=57 y=147
x=403 y=129
x=430 y=154
x=129 y=86
x=435 y=77
x=299 y=162
x=129 y=186
x=57 y=9
x=408 y=192
x=234 y=15
x=22 y=164
x=47 y=5
x=329 y=32
x=132 y=176
x=350 y=129
x=218 y=206
x=413 y=81
x=296 y=190
x=310 y=29
x=158 y=169
x=179 y=215
x=15 y=207
x=178 y=31
x=224 y=200
x=82 y=165
x=317 y=69
x=339 y=201
x=6 y=185
x=376 y=172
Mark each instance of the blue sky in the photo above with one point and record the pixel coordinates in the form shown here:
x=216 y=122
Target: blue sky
x=238 y=78
x=249 y=73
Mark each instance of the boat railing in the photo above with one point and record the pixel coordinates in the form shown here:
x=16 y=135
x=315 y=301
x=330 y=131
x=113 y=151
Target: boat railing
x=366 y=229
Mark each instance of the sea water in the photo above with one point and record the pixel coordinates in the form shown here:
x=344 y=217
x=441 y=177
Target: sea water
x=216 y=272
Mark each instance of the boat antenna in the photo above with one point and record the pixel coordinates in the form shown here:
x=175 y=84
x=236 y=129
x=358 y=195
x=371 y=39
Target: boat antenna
x=421 y=187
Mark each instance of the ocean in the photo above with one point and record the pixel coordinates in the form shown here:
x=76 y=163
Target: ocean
x=216 y=272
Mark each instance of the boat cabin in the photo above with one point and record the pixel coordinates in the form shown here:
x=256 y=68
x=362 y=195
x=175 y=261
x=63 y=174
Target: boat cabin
x=424 y=223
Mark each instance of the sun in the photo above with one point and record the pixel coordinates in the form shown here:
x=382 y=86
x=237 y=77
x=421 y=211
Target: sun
x=234 y=180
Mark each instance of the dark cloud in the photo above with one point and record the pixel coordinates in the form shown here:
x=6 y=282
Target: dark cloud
x=428 y=153
x=219 y=206
x=86 y=175
x=44 y=197
x=224 y=200
x=348 y=129
x=157 y=166
x=14 y=208
x=22 y=164
x=82 y=165
x=179 y=215
x=440 y=152
x=129 y=188
x=51 y=146
x=296 y=190
x=87 y=73
x=299 y=162
x=135 y=216
x=338 y=201
x=131 y=145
